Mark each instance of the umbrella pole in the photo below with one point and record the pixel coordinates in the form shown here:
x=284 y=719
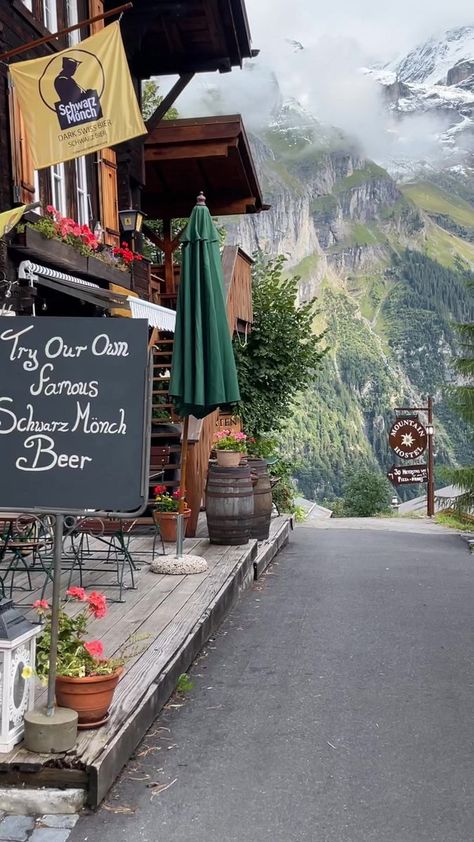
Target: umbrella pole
x=52 y=729
x=183 y=480
x=53 y=653
x=184 y=465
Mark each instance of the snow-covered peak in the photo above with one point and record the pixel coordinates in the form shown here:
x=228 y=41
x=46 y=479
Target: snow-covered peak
x=429 y=63
x=430 y=95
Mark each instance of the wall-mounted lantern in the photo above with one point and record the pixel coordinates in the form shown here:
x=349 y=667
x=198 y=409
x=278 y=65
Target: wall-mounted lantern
x=131 y=220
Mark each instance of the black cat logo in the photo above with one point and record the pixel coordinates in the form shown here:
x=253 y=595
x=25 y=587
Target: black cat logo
x=75 y=105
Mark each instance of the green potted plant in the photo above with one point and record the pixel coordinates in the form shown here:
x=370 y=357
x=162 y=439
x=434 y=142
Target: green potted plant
x=262 y=447
x=86 y=680
x=229 y=448
x=166 y=510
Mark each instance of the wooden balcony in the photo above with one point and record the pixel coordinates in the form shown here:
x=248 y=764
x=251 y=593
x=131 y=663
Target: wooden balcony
x=163 y=37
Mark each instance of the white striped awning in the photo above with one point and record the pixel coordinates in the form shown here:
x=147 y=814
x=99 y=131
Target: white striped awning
x=70 y=285
x=158 y=316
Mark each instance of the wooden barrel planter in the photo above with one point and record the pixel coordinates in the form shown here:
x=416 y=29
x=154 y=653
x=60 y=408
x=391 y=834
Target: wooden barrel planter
x=262 y=500
x=229 y=505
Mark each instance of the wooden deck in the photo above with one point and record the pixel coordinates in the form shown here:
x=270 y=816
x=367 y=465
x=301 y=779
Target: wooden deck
x=177 y=614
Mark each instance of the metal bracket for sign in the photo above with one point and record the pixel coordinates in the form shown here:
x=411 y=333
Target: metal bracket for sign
x=411 y=408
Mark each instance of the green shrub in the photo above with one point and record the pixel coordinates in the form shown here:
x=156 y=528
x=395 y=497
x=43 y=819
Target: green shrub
x=366 y=493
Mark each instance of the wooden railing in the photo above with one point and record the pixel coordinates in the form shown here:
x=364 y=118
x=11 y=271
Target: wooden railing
x=200 y=446
x=237 y=268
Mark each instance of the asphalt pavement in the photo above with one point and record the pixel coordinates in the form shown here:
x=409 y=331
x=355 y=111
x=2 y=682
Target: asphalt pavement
x=334 y=705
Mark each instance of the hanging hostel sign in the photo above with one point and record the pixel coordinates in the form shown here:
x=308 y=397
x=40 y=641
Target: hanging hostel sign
x=79 y=100
x=407 y=437
x=72 y=413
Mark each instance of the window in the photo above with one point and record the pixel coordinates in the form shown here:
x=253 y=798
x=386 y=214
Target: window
x=28 y=4
x=83 y=214
x=72 y=17
x=58 y=188
x=50 y=15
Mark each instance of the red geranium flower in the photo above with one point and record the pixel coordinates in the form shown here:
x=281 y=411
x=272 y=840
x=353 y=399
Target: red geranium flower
x=159 y=489
x=77 y=593
x=95 y=649
x=41 y=605
x=97 y=603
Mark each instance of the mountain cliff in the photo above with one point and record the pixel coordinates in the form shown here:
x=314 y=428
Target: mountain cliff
x=388 y=264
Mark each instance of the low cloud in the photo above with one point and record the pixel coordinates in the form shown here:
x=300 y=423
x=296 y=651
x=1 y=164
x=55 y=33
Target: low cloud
x=328 y=82
x=326 y=76
x=382 y=30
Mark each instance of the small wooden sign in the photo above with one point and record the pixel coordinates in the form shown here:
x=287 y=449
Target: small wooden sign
x=228 y=422
x=408 y=437
x=410 y=475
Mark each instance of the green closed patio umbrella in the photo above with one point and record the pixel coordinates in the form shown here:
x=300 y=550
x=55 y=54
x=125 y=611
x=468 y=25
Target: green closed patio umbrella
x=203 y=372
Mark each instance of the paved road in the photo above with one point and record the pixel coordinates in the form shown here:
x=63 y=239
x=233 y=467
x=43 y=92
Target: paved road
x=335 y=705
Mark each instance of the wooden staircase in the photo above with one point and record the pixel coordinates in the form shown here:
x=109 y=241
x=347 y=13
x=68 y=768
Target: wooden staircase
x=165 y=450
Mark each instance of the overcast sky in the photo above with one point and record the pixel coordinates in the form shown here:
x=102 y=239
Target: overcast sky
x=339 y=38
x=381 y=28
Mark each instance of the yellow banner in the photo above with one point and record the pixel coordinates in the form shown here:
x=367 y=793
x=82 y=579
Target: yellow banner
x=10 y=218
x=79 y=100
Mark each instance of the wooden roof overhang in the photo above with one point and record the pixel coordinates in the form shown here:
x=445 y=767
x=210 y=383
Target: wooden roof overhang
x=212 y=154
x=185 y=36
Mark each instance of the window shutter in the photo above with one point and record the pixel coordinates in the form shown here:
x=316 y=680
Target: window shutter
x=107 y=164
x=22 y=164
x=108 y=196
x=96 y=7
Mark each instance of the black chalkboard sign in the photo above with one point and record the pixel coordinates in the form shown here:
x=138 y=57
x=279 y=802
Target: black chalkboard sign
x=72 y=413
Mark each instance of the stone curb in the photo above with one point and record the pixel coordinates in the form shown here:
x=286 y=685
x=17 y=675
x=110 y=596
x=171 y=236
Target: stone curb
x=267 y=550
x=41 y=801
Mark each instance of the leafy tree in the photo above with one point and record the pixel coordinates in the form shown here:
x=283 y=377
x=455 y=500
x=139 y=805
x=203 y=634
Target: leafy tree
x=281 y=353
x=151 y=99
x=366 y=493
x=462 y=397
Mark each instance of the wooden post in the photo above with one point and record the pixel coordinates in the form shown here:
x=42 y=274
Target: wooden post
x=430 y=501
x=168 y=101
x=168 y=252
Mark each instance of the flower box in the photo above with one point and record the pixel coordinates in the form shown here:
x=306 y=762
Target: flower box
x=53 y=252
x=102 y=271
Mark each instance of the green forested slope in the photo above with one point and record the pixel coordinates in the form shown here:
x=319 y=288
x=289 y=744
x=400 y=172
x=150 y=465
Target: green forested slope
x=389 y=271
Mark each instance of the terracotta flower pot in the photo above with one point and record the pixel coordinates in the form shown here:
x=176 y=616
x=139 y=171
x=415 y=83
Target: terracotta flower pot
x=168 y=525
x=228 y=458
x=91 y=696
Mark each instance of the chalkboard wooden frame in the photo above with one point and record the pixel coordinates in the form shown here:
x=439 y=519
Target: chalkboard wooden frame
x=7 y=324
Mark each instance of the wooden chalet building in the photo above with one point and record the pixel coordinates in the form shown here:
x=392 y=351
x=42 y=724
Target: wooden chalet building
x=161 y=173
